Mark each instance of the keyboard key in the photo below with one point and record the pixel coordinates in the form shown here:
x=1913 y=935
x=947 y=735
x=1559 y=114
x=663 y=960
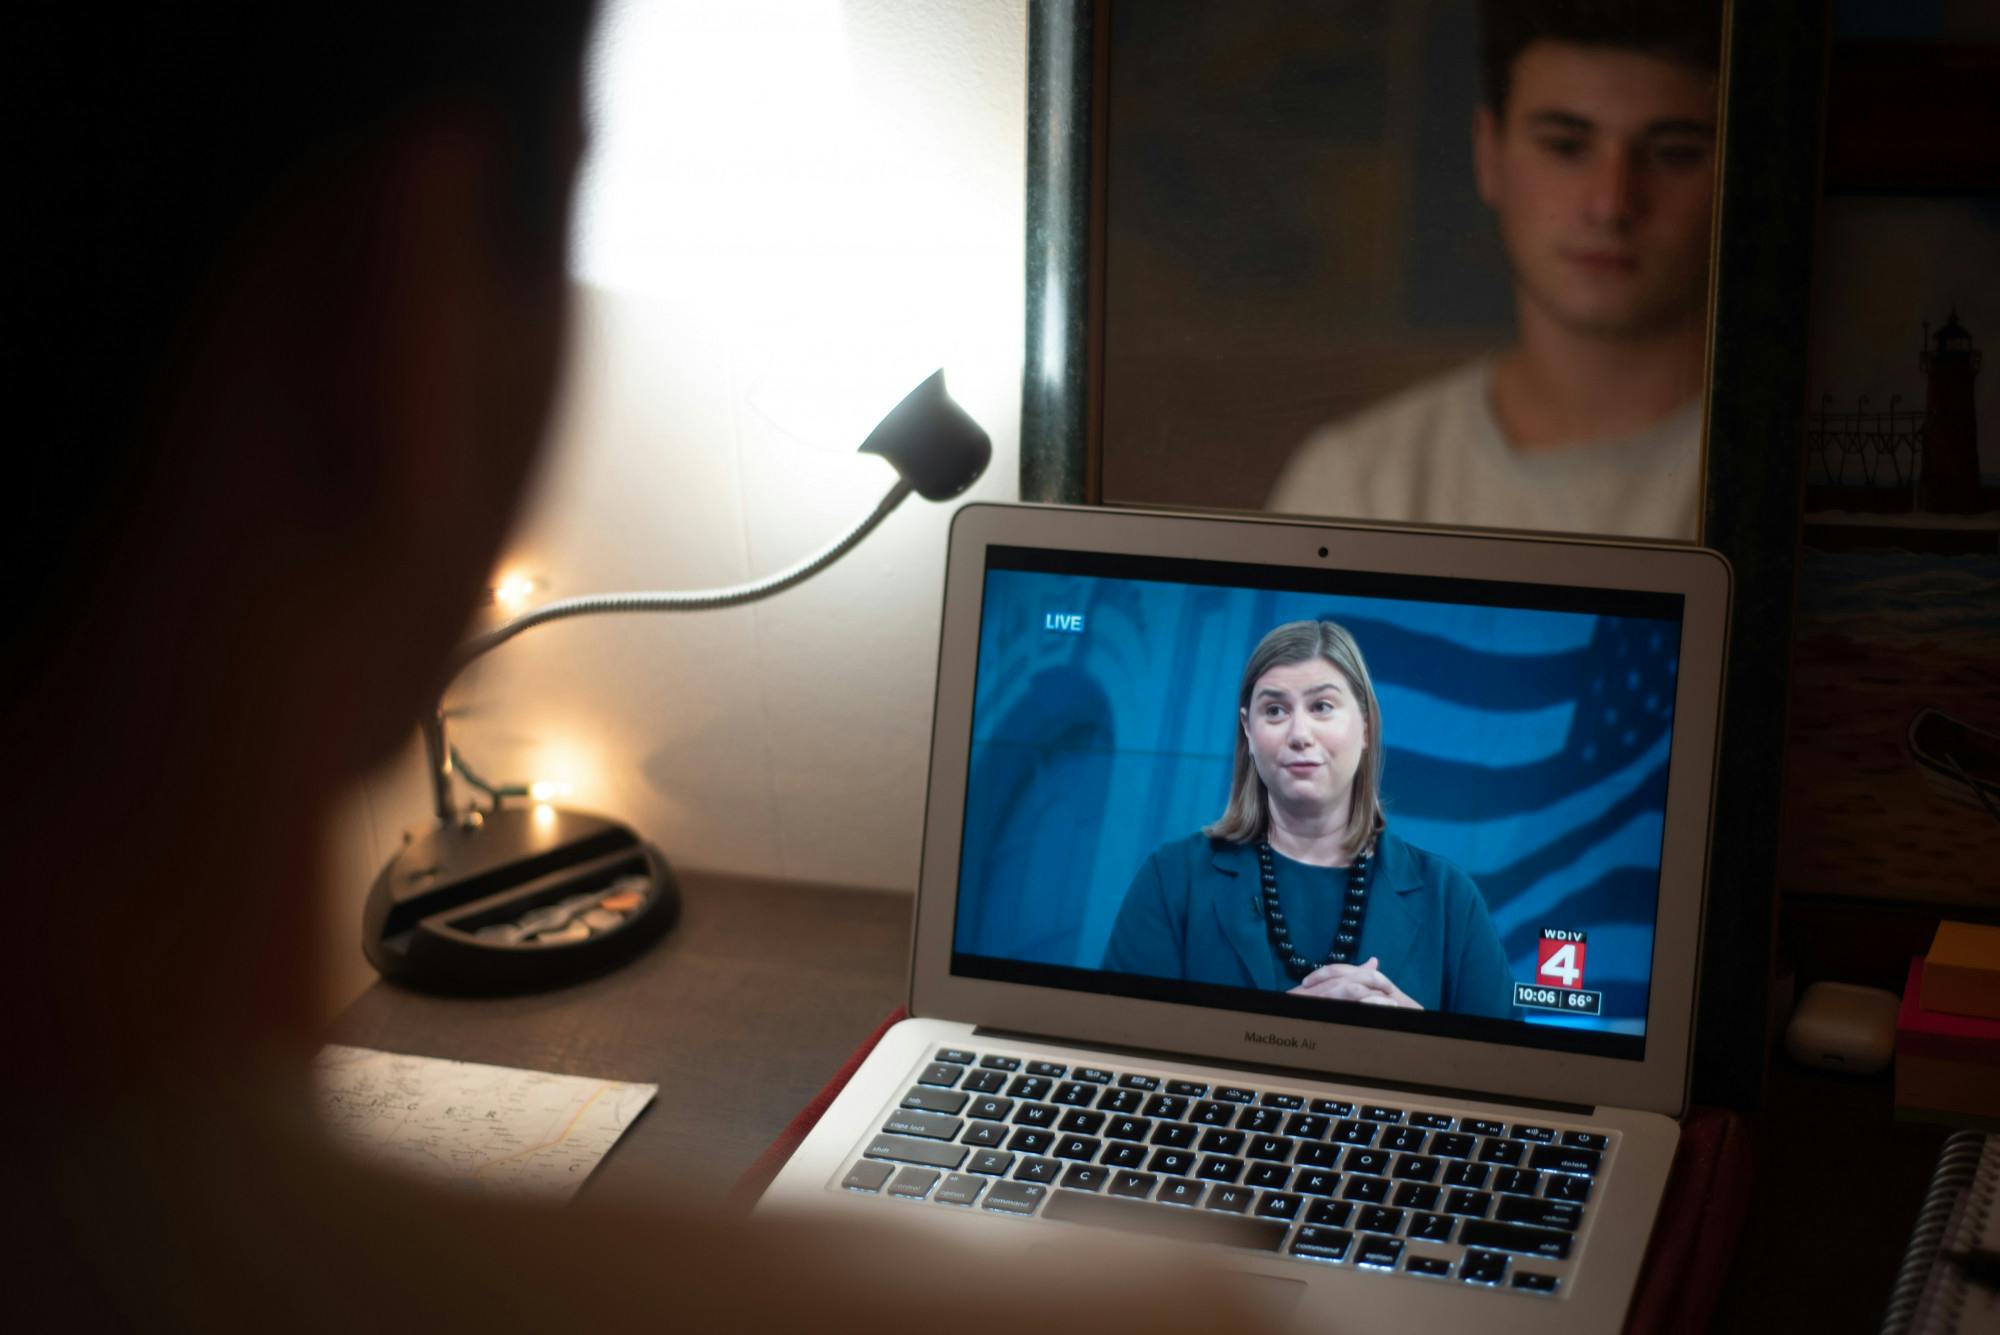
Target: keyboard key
x=1273 y=1149
x=936 y=1100
x=1268 y=1176
x=1416 y=1168
x=1585 y=1140
x=992 y=1163
x=1128 y=1128
x=866 y=1176
x=1288 y=1102
x=1315 y=1182
x=929 y=1153
x=1029 y=1087
x=1514 y=1238
x=930 y=1126
x=913 y=1183
x=1076 y=1094
x=1260 y=1121
x=1234 y=1094
x=1121 y=1101
x=1279 y=1205
x=958 y=1189
x=1085 y=1177
x=1331 y=1108
x=1040 y=1116
x=1322 y=1244
x=1180 y=1191
x=1171 y=1161
x=1432 y=1227
x=1015 y=1197
x=1330 y=1214
x=1375 y=1113
x=1132 y=1186
x=1234 y=1200
x=1230 y=1230
x=1452 y=1146
x=1170 y=1106
x=985 y=1082
x=1534 y=1283
x=1354 y=1133
x=1472 y=1175
x=1031 y=1142
x=1378 y=1253
x=1373 y=1190
x=1037 y=1170
x=1124 y=1156
x=1431 y=1121
x=1317 y=1156
x=986 y=1109
x=942 y=1074
x=1081 y=1148
x=1404 y=1139
x=1308 y=1126
x=1145 y=1083
x=1538 y=1135
x=956 y=1056
x=984 y=1135
x=1366 y=1161
x=1082 y=1123
x=1191 y=1089
x=1566 y=1159
x=1051 y=1070
x=1540 y=1214
x=1517 y=1181
x=1000 y=1063
x=1215 y=1168
x=1415 y=1196
x=1210 y=1112
x=1223 y=1142
x=1483 y=1267
x=1473 y=1204
x=1091 y=1075
x=1503 y=1151
x=1173 y=1135
x=1427 y=1265
x=1379 y=1219
x=1480 y=1127
x=1563 y=1187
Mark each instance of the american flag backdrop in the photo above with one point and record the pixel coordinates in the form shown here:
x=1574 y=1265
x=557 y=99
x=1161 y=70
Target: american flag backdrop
x=1529 y=747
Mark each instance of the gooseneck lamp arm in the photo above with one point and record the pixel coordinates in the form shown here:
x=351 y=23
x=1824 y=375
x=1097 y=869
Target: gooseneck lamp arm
x=938 y=451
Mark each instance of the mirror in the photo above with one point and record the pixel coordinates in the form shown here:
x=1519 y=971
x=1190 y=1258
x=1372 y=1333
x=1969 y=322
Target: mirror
x=1439 y=262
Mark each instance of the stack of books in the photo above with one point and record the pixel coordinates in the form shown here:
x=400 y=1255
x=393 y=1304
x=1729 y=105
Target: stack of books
x=1948 y=1031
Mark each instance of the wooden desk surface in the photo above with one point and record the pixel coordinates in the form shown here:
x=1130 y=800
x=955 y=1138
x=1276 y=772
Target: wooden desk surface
x=763 y=990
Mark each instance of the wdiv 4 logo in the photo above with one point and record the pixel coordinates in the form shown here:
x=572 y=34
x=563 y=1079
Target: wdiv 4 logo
x=1560 y=956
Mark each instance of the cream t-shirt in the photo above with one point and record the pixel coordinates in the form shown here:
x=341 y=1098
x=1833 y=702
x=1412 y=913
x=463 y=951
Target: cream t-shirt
x=1435 y=454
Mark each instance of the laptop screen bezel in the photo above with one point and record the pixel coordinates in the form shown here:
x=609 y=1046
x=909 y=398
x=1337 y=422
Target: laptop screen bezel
x=1655 y=1082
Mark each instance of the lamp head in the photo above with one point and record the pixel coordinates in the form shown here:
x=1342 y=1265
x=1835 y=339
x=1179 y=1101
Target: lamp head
x=934 y=444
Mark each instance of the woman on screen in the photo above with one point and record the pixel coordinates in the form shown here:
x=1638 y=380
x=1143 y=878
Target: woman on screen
x=1301 y=886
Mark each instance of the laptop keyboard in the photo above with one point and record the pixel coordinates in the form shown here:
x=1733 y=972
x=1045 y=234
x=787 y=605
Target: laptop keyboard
x=1400 y=1189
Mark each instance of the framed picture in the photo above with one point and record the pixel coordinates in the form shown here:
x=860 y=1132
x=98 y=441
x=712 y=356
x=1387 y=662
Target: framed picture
x=1087 y=175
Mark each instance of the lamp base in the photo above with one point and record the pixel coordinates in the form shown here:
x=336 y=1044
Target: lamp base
x=516 y=899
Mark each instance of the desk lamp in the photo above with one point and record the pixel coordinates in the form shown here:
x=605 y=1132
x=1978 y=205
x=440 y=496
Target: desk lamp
x=509 y=898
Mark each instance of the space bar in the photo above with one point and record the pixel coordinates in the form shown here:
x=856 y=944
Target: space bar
x=1167 y=1221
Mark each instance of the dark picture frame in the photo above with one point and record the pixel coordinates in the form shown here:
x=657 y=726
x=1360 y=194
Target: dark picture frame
x=1774 y=63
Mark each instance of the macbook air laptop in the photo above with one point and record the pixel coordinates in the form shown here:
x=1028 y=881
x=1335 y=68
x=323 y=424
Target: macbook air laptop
x=1324 y=897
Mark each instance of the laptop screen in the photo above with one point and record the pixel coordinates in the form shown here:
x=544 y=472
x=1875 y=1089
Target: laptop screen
x=1147 y=816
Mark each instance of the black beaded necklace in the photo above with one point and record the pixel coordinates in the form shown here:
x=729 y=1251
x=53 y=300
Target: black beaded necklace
x=1346 y=939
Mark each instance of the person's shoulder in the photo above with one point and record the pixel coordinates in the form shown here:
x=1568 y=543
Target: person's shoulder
x=1398 y=856
x=1191 y=851
x=1345 y=457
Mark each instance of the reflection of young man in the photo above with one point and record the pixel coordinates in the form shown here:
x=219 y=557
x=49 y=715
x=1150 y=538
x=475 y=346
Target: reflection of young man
x=1595 y=150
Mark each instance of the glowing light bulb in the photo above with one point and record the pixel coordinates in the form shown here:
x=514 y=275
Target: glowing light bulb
x=545 y=790
x=513 y=590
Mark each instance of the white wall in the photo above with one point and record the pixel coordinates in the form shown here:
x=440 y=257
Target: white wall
x=795 y=208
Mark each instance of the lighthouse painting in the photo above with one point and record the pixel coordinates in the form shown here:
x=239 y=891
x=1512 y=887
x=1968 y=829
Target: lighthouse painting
x=1892 y=785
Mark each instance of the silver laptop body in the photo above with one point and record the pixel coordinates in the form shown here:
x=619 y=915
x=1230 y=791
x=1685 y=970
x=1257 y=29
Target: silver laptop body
x=1548 y=712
